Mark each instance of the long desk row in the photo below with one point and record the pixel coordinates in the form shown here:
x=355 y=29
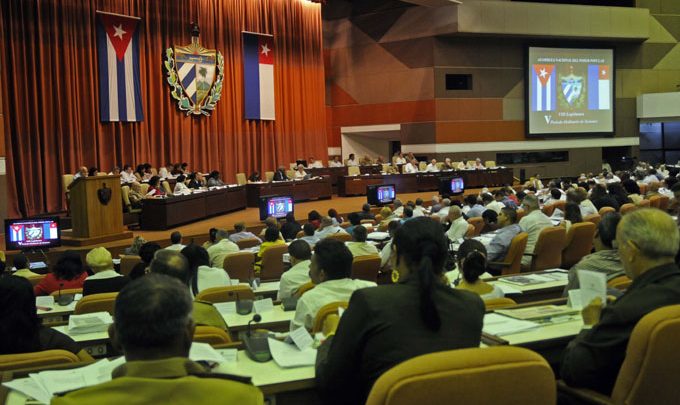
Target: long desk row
x=164 y=213
x=416 y=182
x=301 y=190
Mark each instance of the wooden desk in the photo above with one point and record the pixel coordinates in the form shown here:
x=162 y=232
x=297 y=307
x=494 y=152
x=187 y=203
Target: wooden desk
x=164 y=213
x=97 y=343
x=532 y=292
x=300 y=190
x=276 y=320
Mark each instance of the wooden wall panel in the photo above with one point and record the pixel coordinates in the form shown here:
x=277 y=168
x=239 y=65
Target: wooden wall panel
x=480 y=131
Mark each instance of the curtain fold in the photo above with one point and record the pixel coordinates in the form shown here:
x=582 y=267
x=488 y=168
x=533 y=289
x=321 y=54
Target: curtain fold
x=51 y=101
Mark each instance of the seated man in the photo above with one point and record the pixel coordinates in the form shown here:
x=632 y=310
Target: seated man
x=366 y=212
x=533 y=223
x=300 y=254
x=22 y=267
x=475 y=209
x=327 y=228
x=354 y=220
x=647 y=242
x=445 y=207
x=490 y=203
x=419 y=210
x=176 y=241
x=240 y=232
x=154 y=330
x=330 y=271
x=280 y=174
x=300 y=173
x=336 y=162
x=411 y=167
x=432 y=166
x=498 y=248
x=459 y=225
x=105 y=279
x=309 y=235
x=359 y=246
x=351 y=161
x=314 y=164
x=221 y=249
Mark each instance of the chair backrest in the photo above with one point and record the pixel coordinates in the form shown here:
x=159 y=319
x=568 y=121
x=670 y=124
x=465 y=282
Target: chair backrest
x=385 y=167
x=490 y=163
x=464 y=374
x=154 y=171
x=290 y=173
x=104 y=302
x=513 y=258
x=211 y=335
x=304 y=288
x=440 y=165
x=66 y=179
x=240 y=266
x=605 y=210
x=144 y=188
x=125 y=195
x=664 y=202
x=324 y=311
x=649 y=373
x=655 y=201
x=341 y=236
x=226 y=294
x=366 y=268
x=35 y=280
x=247 y=243
x=478 y=223
x=67 y=291
x=644 y=204
x=594 y=218
x=470 y=233
x=579 y=243
x=353 y=170
x=127 y=262
x=241 y=179
x=643 y=188
x=620 y=283
x=269 y=176
x=40 y=359
x=422 y=166
x=272 y=262
x=626 y=208
x=548 y=249
x=166 y=187
x=498 y=303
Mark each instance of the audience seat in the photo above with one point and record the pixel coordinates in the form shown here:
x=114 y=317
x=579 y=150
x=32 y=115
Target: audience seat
x=436 y=218
x=440 y=166
x=643 y=188
x=353 y=171
x=620 y=283
x=272 y=263
x=455 y=164
x=594 y=218
x=650 y=370
x=35 y=280
x=154 y=171
x=579 y=243
x=290 y=173
x=247 y=243
x=490 y=163
x=144 y=188
x=499 y=303
x=626 y=208
x=303 y=289
x=655 y=201
x=241 y=179
x=470 y=233
x=104 y=302
x=269 y=176
x=422 y=166
x=548 y=250
x=35 y=360
x=664 y=203
x=341 y=236
x=644 y=204
x=240 y=266
x=324 y=311
x=512 y=263
x=606 y=210
x=519 y=376
x=212 y=335
x=385 y=167
x=127 y=262
x=366 y=268
x=166 y=187
x=226 y=294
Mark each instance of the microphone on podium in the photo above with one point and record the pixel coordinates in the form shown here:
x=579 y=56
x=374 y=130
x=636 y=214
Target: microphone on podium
x=256 y=343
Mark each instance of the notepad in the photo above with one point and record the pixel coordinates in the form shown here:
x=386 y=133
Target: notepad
x=204 y=352
x=537 y=312
x=499 y=325
x=286 y=355
x=89 y=323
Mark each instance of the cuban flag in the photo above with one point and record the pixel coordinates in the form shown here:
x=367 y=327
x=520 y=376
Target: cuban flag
x=598 y=87
x=258 y=76
x=16 y=233
x=120 y=94
x=544 y=85
x=53 y=231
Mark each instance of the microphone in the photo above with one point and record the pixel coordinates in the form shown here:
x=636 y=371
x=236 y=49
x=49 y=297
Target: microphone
x=256 y=318
x=65 y=299
x=256 y=343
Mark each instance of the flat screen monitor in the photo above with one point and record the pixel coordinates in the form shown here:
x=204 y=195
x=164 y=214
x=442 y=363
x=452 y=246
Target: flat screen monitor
x=381 y=194
x=26 y=234
x=451 y=185
x=275 y=206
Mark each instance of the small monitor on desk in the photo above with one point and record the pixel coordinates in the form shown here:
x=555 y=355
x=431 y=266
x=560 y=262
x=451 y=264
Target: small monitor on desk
x=275 y=206
x=27 y=234
x=451 y=185
x=381 y=194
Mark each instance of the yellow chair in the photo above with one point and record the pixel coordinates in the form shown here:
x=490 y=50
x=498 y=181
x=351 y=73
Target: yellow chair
x=127 y=263
x=605 y=210
x=490 y=163
x=144 y=188
x=655 y=201
x=211 y=335
x=154 y=171
x=341 y=236
x=440 y=166
x=125 y=194
x=620 y=283
x=240 y=266
x=226 y=294
x=290 y=174
x=105 y=302
x=36 y=360
x=664 y=203
x=166 y=187
x=35 y=280
x=422 y=166
x=455 y=164
x=303 y=289
x=594 y=218
x=385 y=167
x=271 y=266
x=463 y=376
x=650 y=370
x=353 y=171
x=269 y=176
x=499 y=303
x=324 y=312
x=512 y=262
x=366 y=268
x=626 y=208
x=247 y=243
x=548 y=250
x=579 y=243
x=241 y=179
x=644 y=204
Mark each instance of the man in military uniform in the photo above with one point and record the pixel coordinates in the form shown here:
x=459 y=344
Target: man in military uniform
x=154 y=329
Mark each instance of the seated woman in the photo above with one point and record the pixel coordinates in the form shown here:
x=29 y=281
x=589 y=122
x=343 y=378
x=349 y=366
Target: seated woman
x=271 y=238
x=472 y=263
x=386 y=325
x=337 y=219
x=67 y=273
x=20 y=329
x=180 y=186
x=155 y=187
x=202 y=275
x=212 y=234
x=214 y=179
x=572 y=215
x=314 y=218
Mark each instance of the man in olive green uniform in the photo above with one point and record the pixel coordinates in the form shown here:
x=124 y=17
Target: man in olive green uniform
x=153 y=327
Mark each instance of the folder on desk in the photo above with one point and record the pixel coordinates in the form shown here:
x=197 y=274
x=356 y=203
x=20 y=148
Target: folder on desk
x=538 y=312
x=89 y=323
x=499 y=325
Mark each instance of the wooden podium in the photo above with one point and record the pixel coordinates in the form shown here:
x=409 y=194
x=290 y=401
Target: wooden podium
x=96 y=212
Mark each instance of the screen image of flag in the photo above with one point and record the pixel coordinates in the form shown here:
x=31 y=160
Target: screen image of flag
x=544 y=85
x=598 y=87
x=16 y=233
x=120 y=93
x=258 y=76
x=52 y=230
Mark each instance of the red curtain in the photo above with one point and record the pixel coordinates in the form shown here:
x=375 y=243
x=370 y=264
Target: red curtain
x=50 y=89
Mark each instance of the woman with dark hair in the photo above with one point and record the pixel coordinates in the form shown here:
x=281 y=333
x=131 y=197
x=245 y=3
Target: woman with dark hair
x=572 y=215
x=193 y=181
x=314 y=218
x=388 y=324
x=617 y=192
x=271 y=238
x=92 y=171
x=202 y=276
x=212 y=235
x=633 y=191
x=20 y=329
x=471 y=262
x=337 y=219
x=180 y=186
x=290 y=229
x=154 y=187
x=146 y=253
x=67 y=273
x=601 y=198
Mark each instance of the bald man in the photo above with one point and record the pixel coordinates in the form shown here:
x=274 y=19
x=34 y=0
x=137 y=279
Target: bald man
x=532 y=223
x=458 y=226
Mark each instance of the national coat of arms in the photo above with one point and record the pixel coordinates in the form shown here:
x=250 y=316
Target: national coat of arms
x=572 y=88
x=195 y=76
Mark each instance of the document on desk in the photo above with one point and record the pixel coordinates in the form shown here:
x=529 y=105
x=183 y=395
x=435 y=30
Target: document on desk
x=89 y=323
x=44 y=301
x=593 y=284
x=286 y=355
x=225 y=308
x=262 y=306
x=499 y=325
x=204 y=352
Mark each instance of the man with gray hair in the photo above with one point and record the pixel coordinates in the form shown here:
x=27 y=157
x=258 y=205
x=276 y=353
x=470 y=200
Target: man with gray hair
x=221 y=249
x=459 y=225
x=154 y=329
x=398 y=208
x=533 y=223
x=328 y=228
x=647 y=241
x=444 y=210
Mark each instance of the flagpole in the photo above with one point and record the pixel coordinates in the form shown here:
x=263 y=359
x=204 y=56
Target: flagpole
x=117 y=15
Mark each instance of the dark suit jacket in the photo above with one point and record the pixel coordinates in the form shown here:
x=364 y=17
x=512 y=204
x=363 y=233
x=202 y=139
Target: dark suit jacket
x=383 y=327
x=593 y=359
x=105 y=285
x=280 y=176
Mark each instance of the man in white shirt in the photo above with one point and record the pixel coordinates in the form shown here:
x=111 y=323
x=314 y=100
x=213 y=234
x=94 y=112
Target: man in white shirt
x=386 y=251
x=444 y=210
x=309 y=236
x=418 y=210
x=359 y=246
x=398 y=208
x=351 y=161
x=330 y=270
x=335 y=162
x=127 y=176
x=240 y=232
x=398 y=159
x=651 y=177
x=221 y=249
x=176 y=242
x=533 y=223
x=459 y=225
x=327 y=228
x=300 y=173
x=300 y=254
x=491 y=204
x=411 y=167
x=314 y=164
x=432 y=166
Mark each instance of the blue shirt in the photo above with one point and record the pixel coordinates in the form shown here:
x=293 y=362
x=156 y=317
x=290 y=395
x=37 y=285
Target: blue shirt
x=476 y=211
x=499 y=245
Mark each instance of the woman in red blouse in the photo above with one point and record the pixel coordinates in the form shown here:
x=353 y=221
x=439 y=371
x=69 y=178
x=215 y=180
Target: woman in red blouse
x=154 y=187
x=68 y=273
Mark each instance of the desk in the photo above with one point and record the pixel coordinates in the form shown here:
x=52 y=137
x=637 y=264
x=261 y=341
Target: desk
x=300 y=190
x=276 y=320
x=532 y=292
x=164 y=213
x=96 y=343
x=58 y=314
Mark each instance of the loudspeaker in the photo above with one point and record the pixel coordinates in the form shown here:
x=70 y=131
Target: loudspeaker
x=458 y=82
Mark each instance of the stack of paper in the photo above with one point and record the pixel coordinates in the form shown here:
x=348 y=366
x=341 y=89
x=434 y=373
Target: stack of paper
x=204 y=352
x=499 y=325
x=287 y=355
x=89 y=323
x=538 y=312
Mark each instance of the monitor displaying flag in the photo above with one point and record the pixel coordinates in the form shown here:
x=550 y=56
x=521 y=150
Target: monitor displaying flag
x=598 y=87
x=544 y=88
x=16 y=233
x=258 y=76
x=120 y=94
